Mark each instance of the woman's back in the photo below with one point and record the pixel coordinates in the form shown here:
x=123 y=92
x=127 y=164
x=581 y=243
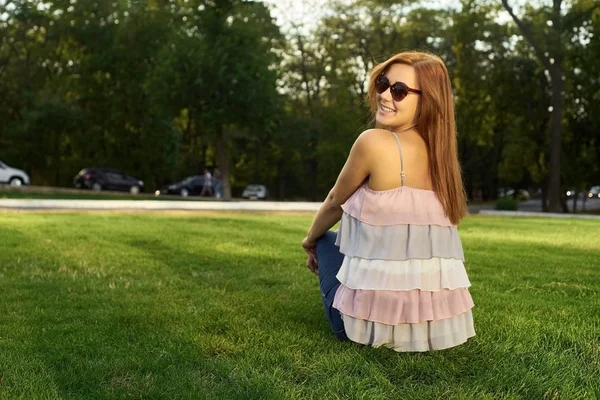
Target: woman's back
x=408 y=153
x=393 y=274
x=403 y=283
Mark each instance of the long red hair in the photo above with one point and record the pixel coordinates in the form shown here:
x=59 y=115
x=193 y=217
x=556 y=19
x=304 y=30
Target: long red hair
x=435 y=123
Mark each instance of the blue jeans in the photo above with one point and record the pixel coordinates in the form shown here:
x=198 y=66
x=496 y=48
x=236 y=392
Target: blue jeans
x=330 y=260
x=218 y=190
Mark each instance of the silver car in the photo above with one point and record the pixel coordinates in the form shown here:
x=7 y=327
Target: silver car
x=13 y=176
x=255 y=192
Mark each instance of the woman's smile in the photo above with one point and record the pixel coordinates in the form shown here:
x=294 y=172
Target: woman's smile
x=386 y=109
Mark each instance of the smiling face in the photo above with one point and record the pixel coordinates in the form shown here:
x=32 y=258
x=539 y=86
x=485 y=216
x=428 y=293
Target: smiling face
x=398 y=114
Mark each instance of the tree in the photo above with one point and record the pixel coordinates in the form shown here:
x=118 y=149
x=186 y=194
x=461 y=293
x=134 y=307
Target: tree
x=552 y=55
x=238 y=72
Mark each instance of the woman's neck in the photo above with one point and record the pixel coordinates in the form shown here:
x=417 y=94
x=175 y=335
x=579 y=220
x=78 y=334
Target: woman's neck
x=402 y=129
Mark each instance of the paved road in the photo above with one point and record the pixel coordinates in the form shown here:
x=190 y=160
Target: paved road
x=525 y=208
x=536 y=206
x=239 y=205
x=47 y=204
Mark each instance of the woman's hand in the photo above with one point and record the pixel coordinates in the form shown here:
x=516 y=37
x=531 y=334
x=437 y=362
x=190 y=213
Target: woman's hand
x=310 y=247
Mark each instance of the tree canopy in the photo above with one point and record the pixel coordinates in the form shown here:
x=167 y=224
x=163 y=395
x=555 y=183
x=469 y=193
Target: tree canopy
x=164 y=88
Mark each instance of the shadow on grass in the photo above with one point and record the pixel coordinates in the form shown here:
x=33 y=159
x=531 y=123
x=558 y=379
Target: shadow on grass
x=233 y=322
x=242 y=282
x=91 y=341
x=243 y=289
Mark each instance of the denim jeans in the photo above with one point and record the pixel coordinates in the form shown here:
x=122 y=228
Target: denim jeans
x=218 y=190
x=330 y=260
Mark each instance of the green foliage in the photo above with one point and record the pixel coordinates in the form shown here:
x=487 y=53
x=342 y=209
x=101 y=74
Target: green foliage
x=506 y=203
x=105 y=84
x=154 y=86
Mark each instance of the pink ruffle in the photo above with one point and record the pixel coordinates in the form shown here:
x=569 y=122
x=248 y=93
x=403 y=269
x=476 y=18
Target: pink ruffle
x=401 y=206
x=396 y=307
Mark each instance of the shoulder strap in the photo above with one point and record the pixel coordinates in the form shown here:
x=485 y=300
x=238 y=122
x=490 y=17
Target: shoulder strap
x=402 y=173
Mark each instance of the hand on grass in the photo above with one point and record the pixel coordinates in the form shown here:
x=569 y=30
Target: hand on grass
x=310 y=247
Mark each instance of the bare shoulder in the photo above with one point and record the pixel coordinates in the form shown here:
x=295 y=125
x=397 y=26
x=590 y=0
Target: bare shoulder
x=414 y=145
x=411 y=141
x=373 y=134
x=371 y=138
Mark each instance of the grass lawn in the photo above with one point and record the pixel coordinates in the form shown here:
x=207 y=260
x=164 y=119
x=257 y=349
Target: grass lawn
x=220 y=306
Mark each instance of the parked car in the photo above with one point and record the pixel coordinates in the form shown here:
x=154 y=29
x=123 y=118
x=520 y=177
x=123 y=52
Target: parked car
x=190 y=186
x=594 y=192
x=13 y=176
x=101 y=178
x=522 y=194
x=254 y=192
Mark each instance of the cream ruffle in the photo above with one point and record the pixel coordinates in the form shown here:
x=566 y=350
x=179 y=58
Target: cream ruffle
x=424 y=336
x=431 y=274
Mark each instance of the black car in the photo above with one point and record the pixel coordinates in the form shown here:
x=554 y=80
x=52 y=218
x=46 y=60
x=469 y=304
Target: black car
x=101 y=178
x=594 y=192
x=190 y=186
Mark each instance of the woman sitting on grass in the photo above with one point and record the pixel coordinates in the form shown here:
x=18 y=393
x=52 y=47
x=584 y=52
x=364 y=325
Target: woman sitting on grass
x=393 y=275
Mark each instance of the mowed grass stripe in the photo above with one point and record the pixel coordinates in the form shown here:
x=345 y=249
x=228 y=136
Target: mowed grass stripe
x=189 y=306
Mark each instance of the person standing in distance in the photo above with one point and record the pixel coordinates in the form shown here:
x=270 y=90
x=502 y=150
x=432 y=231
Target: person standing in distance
x=207 y=187
x=218 y=186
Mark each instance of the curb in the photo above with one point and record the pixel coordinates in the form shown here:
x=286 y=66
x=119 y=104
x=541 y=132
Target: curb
x=265 y=206
x=536 y=214
x=49 y=204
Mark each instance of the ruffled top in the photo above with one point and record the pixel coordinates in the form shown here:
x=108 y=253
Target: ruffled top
x=403 y=279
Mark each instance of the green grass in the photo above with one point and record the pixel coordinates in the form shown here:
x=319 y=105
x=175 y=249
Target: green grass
x=221 y=306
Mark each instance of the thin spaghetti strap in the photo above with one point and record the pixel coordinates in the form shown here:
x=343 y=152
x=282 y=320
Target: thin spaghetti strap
x=402 y=173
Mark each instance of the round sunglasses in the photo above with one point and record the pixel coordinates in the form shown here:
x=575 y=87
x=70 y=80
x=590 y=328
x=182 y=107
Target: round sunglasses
x=399 y=90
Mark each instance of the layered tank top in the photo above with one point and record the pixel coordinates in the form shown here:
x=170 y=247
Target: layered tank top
x=403 y=278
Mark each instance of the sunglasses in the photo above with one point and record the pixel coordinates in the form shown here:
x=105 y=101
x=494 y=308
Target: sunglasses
x=398 y=90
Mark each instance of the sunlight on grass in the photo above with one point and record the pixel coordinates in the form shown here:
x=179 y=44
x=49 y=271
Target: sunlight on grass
x=108 y=305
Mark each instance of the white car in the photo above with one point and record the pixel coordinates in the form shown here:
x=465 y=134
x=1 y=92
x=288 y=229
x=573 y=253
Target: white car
x=254 y=192
x=13 y=176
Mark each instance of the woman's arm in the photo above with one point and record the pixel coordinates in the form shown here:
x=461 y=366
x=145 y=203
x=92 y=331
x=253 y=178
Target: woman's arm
x=355 y=172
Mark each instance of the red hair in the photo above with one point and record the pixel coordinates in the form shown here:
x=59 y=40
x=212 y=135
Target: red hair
x=435 y=123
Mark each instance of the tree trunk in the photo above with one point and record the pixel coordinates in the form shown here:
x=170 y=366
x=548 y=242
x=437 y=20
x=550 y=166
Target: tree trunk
x=545 y=196
x=257 y=162
x=57 y=160
x=202 y=158
x=575 y=201
x=223 y=159
x=281 y=175
x=564 y=208
x=313 y=179
x=553 y=62
x=554 y=196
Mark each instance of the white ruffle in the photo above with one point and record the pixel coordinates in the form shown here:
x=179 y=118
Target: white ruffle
x=431 y=274
x=423 y=336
